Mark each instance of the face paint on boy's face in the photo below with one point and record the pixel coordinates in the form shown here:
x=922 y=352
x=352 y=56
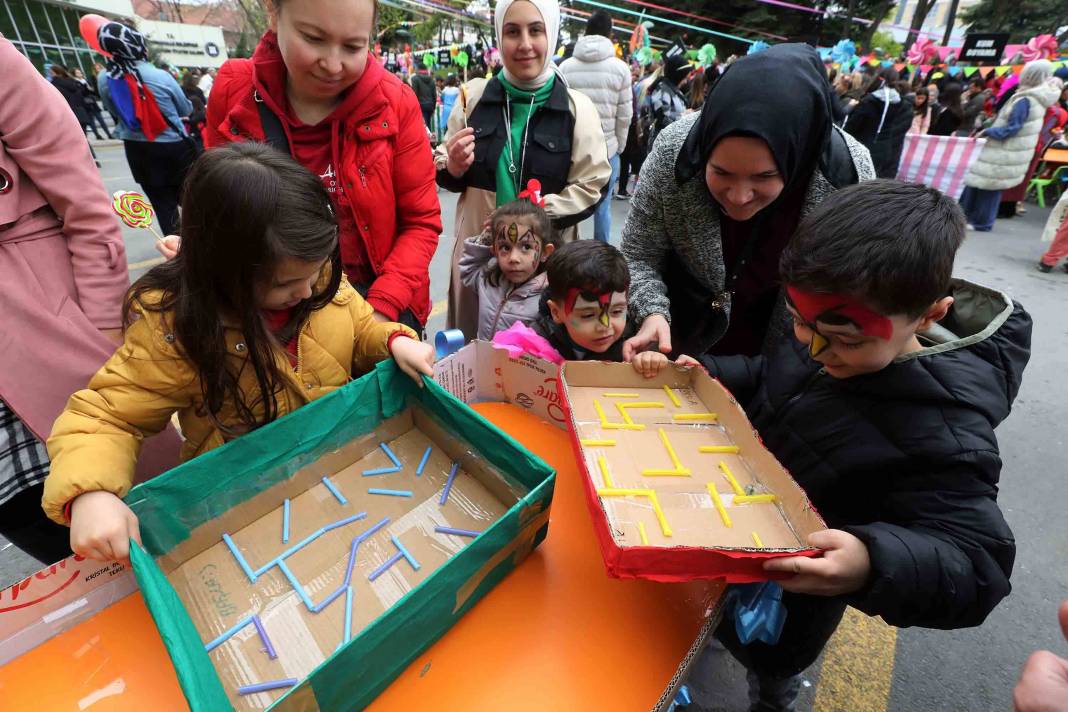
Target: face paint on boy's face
x=518 y=250
x=594 y=322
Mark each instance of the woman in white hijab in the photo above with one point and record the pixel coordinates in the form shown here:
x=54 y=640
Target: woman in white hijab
x=523 y=125
x=1010 y=145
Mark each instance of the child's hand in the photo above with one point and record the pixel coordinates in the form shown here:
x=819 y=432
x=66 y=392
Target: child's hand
x=843 y=568
x=685 y=360
x=414 y=358
x=101 y=526
x=169 y=246
x=649 y=363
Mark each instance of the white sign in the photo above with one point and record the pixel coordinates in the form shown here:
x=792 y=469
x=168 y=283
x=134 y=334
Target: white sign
x=185 y=45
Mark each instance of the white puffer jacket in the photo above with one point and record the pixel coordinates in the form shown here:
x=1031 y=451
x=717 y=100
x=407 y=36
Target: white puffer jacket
x=1003 y=164
x=595 y=71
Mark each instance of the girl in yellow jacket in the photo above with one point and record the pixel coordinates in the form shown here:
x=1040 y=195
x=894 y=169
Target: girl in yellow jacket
x=250 y=321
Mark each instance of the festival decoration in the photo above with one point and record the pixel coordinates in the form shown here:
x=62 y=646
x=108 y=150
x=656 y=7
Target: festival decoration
x=644 y=56
x=922 y=51
x=1040 y=47
x=462 y=59
x=844 y=51
x=89 y=28
x=428 y=60
x=706 y=56
x=639 y=38
x=758 y=46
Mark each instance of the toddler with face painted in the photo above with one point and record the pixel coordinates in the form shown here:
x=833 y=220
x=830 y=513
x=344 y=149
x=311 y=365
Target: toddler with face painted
x=584 y=312
x=505 y=265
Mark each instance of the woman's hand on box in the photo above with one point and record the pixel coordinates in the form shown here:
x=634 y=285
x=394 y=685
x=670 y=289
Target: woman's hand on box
x=654 y=328
x=414 y=358
x=844 y=566
x=101 y=526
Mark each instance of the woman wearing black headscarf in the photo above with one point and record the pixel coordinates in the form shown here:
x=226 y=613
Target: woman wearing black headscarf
x=721 y=194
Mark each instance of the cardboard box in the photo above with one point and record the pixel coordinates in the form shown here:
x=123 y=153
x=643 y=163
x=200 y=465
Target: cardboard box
x=650 y=489
x=479 y=373
x=55 y=599
x=196 y=588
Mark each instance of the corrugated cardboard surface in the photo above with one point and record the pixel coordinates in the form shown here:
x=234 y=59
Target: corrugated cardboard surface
x=479 y=372
x=217 y=594
x=782 y=526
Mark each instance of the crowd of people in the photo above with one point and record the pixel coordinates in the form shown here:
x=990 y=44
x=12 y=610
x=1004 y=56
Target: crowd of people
x=765 y=242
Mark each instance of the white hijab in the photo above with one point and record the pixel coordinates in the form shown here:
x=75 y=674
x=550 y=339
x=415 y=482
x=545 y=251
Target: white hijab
x=550 y=14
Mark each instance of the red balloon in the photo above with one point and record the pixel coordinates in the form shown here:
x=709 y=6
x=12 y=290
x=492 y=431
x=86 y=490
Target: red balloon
x=89 y=26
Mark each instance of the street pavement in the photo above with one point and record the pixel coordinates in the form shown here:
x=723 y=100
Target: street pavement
x=868 y=665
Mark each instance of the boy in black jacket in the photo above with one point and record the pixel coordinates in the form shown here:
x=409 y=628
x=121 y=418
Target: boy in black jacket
x=883 y=404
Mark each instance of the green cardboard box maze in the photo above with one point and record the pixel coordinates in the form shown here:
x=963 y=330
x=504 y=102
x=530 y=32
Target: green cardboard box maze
x=325 y=551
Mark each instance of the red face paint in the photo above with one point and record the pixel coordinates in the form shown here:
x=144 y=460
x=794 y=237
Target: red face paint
x=812 y=307
x=605 y=300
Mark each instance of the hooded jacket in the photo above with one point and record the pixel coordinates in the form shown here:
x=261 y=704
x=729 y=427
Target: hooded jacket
x=906 y=458
x=880 y=122
x=382 y=161
x=503 y=304
x=595 y=71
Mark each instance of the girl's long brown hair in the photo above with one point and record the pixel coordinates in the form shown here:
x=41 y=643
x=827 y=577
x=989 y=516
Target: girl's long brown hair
x=244 y=207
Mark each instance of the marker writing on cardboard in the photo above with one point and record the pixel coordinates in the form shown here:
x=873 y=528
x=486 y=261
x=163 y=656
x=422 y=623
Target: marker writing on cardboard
x=219 y=597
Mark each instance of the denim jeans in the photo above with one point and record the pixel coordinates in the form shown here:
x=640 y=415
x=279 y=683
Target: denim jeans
x=602 y=218
x=980 y=207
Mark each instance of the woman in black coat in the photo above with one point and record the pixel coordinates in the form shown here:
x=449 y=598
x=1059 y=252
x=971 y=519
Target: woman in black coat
x=73 y=91
x=880 y=122
x=949 y=112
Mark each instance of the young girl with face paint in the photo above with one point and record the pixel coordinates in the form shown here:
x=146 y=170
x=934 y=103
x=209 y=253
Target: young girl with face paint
x=524 y=123
x=882 y=404
x=505 y=264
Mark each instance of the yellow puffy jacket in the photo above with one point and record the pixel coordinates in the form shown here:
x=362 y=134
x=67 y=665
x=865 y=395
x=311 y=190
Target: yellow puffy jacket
x=95 y=441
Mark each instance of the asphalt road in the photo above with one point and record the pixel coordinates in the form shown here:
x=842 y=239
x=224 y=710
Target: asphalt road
x=870 y=666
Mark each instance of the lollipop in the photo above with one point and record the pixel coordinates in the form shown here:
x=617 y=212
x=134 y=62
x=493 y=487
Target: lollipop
x=463 y=102
x=134 y=210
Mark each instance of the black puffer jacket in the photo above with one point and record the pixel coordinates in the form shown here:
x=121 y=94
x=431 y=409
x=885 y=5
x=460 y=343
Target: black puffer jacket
x=906 y=458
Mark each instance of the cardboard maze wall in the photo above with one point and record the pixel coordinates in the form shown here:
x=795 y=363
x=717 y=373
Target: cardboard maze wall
x=402 y=507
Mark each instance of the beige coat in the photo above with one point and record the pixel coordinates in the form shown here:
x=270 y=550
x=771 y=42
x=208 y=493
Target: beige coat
x=589 y=174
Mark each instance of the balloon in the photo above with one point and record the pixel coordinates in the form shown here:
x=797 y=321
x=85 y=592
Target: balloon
x=428 y=59
x=462 y=59
x=89 y=28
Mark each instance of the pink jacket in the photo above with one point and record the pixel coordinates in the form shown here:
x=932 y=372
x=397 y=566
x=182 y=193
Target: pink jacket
x=62 y=260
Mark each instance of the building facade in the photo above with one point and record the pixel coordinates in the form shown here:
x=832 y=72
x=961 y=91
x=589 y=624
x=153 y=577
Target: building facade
x=46 y=31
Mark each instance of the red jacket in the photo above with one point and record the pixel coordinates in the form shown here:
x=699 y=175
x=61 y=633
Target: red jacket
x=384 y=163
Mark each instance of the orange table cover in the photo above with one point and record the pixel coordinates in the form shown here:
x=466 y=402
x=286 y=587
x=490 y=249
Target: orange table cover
x=557 y=633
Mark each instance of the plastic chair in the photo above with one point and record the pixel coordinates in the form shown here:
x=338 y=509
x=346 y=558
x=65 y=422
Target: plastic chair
x=1040 y=184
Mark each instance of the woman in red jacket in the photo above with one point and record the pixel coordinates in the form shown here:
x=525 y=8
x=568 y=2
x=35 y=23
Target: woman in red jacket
x=312 y=89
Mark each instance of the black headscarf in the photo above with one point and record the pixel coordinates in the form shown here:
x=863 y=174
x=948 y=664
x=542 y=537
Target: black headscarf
x=126 y=47
x=780 y=95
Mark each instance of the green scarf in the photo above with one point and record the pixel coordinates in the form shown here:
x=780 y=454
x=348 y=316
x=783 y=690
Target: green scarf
x=522 y=109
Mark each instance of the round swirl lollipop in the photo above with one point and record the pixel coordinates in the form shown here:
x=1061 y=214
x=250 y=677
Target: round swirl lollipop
x=134 y=210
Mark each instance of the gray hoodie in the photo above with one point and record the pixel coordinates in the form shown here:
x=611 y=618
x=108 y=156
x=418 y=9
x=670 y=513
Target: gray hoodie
x=595 y=71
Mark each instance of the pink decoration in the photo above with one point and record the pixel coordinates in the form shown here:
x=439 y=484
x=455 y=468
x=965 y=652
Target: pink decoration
x=923 y=51
x=1040 y=47
x=520 y=339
